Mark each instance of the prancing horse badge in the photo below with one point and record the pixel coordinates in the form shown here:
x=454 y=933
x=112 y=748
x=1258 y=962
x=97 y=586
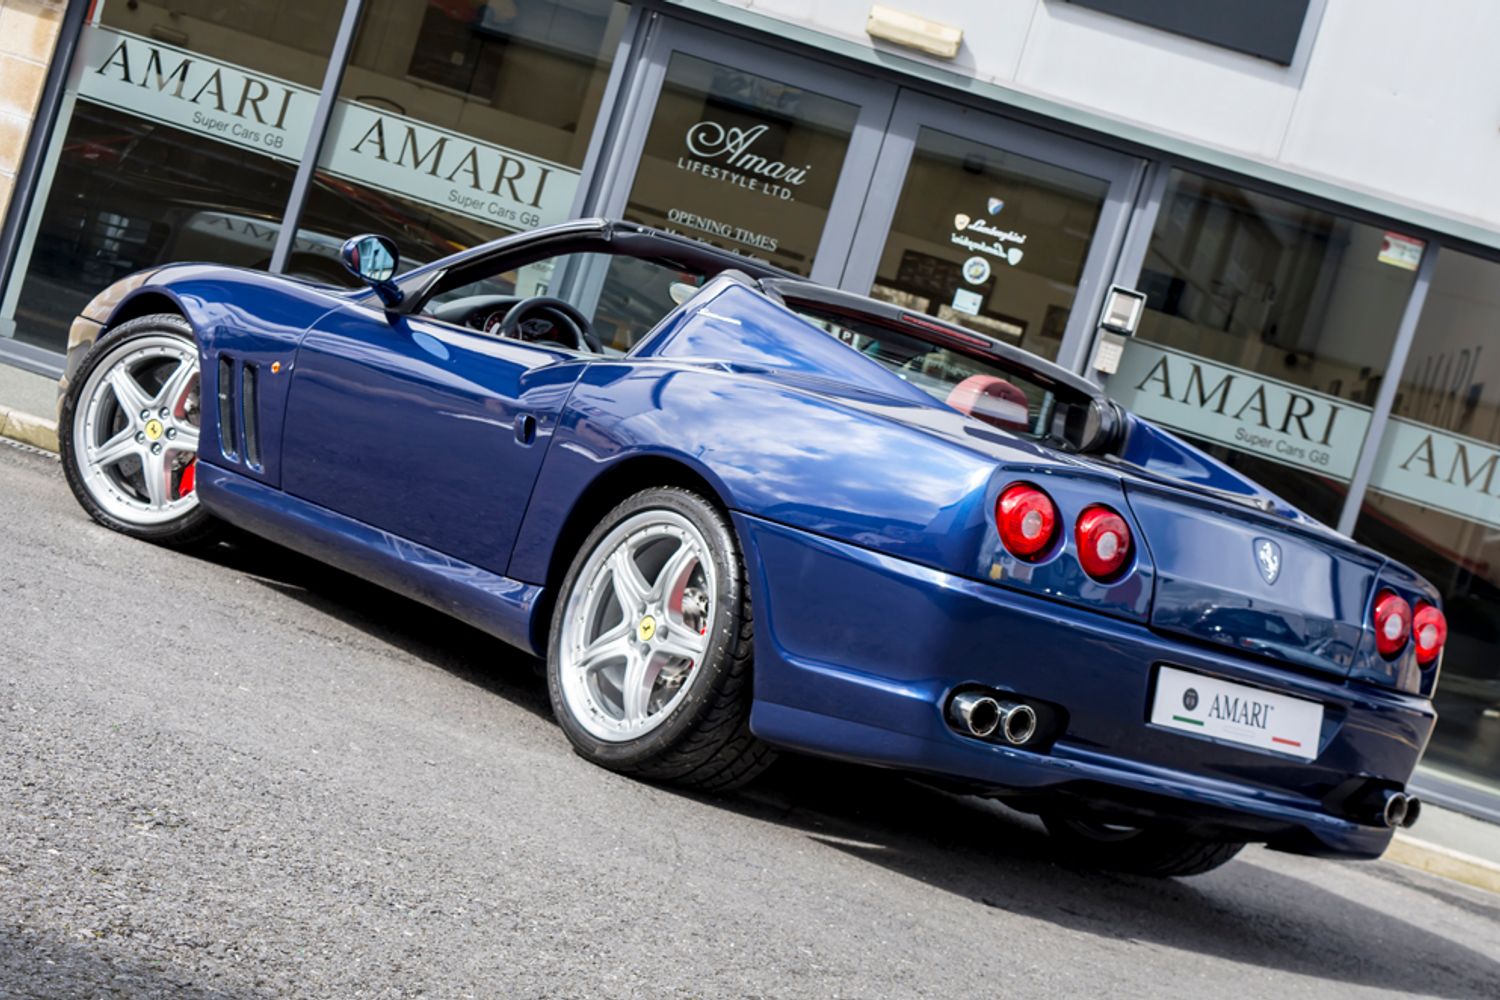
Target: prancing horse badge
x=1268 y=559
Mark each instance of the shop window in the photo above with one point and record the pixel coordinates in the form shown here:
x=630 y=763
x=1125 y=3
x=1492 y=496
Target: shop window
x=1266 y=333
x=990 y=239
x=187 y=123
x=742 y=161
x=1434 y=500
x=490 y=53
x=457 y=122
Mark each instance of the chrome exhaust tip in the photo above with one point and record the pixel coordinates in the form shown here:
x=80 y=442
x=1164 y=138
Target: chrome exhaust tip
x=1393 y=812
x=974 y=713
x=1017 y=723
x=1413 y=811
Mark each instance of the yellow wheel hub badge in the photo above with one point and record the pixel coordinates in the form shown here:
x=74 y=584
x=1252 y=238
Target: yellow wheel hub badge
x=153 y=429
x=646 y=629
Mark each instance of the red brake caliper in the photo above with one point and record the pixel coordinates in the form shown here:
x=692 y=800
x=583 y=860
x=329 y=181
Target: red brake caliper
x=189 y=479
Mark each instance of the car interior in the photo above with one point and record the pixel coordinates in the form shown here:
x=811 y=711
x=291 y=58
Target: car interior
x=597 y=301
x=592 y=302
x=595 y=292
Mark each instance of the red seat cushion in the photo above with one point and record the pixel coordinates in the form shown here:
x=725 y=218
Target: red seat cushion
x=993 y=400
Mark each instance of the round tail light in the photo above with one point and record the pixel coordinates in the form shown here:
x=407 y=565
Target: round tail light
x=1103 y=542
x=1027 y=520
x=1392 y=623
x=1430 y=630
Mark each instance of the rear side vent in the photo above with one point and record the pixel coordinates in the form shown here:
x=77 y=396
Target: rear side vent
x=228 y=432
x=248 y=411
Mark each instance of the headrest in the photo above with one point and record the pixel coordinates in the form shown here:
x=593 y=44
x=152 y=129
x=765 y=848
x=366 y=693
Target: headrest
x=993 y=400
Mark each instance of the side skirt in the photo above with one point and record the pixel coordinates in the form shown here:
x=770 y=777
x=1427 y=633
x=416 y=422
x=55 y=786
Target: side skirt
x=496 y=604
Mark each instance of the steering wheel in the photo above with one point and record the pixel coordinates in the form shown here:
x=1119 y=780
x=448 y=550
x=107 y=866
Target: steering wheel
x=570 y=318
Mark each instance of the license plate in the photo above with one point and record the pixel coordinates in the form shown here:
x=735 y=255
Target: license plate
x=1237 y=713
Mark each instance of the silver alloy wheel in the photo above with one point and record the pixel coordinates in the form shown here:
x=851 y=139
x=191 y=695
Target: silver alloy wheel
x=138 y=429
x=636 y=626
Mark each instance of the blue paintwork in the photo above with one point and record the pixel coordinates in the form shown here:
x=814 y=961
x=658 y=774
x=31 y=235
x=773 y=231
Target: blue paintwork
x=497 y=604
x=865 y=677
x=408 y=426
x=1209 y=586
x=1157 y=450
x=739 y=328
x=401 y=448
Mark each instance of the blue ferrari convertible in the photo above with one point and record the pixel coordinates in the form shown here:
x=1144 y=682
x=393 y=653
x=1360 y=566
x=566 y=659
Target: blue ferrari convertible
x=741 y=513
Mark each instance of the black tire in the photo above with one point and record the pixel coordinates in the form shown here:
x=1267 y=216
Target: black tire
x=705 y=742
x=1157 y=853
x=194 y=527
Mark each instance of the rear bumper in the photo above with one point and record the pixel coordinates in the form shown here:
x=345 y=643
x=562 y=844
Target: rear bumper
x=857 y=653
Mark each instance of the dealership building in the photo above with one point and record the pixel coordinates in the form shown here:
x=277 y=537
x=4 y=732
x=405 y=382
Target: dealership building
x=1303 y=191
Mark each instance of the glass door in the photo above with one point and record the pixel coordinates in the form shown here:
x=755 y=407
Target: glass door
x=1003 y=228
x=772 y=161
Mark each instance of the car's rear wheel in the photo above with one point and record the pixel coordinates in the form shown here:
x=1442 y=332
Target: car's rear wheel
x=650 y=653
x=1159 y=853
x=128 y=433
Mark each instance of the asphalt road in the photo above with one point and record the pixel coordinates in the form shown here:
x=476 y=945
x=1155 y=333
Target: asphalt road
x=251 y=776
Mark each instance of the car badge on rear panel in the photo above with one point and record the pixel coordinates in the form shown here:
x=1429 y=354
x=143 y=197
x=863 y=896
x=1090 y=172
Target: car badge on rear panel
x=1268 y=559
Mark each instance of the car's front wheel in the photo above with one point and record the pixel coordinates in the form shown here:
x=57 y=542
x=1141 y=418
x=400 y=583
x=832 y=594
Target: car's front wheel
x=128 y=433
x=649 y=658
x=1159 y=853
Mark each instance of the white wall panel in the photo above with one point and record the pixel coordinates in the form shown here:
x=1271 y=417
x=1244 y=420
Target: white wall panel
x=994 y=30
x=1404 y=99
x=1397 y=99
x=1157 y=79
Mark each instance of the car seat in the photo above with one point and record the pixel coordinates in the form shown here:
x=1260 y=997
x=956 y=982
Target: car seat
x=993 y=400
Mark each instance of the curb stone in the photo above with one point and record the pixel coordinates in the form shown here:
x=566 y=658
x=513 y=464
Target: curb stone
x=28 y=429
x=1444 y=862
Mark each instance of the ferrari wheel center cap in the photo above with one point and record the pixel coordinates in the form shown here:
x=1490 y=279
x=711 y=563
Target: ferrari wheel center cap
x=153 y=429
x=646 y=629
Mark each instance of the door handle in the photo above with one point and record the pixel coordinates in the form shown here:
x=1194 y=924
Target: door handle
x=525 y=429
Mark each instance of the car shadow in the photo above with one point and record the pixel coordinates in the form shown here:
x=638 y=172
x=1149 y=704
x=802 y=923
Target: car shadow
x=427 y=634
x=970 y=847
x=41 y=964
x=1244 y=913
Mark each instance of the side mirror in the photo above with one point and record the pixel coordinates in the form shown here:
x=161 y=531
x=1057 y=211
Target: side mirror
x=373 y=259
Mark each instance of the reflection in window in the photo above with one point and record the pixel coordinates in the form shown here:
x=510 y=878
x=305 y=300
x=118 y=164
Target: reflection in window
x=742 y=161
x=1272 y=286
x=1433 y=502
x=991 y=240
x=525 y=74
x=285 y=39
x=1283 y=291
x=540 y=62
x=144 y=175
x=462 y=121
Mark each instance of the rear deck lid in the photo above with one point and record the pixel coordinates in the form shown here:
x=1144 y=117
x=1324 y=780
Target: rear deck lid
x=1254 y=581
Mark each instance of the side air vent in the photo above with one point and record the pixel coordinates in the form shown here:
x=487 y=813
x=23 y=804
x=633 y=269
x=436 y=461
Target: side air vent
x=248 y=411
x=228 y=431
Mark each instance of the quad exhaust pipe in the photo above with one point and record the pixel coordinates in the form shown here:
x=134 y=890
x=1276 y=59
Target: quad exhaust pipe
x=1397 y=809
x=986 y=717
x=982 y=716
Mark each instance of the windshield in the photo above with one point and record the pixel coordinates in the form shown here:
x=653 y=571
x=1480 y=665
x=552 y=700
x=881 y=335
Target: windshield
x=971 y=383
